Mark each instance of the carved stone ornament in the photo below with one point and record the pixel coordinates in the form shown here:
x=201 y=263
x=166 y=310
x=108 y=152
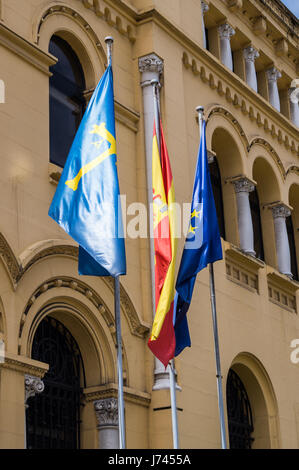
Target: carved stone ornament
x=243 y=185
x=33 y=385
x=106 y=412
x=150 y=63
x=280 y=210
x=250 y=53
x=273 y=74
x=204 y=7
x=225 y=31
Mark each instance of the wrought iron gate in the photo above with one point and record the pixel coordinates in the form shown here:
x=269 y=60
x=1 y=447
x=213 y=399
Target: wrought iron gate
x=53 y=417
x=240 y=424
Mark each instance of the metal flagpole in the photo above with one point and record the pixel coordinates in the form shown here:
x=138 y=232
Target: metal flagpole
x=200 y=111
x=155 y=85
x=121 y=407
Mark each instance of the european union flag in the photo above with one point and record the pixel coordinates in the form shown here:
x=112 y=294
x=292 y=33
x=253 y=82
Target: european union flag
x=202 y=245
x=86 y=203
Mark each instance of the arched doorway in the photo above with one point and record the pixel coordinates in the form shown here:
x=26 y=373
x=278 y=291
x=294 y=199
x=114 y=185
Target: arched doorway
x=240 y=423
x=53 y=417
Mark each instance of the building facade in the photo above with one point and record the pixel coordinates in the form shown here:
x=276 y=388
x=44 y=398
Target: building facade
x=58 y=378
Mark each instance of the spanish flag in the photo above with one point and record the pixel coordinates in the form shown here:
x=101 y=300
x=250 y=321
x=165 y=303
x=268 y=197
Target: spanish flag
x=162 y=340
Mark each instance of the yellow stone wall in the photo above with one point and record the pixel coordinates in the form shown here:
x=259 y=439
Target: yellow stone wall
x=249 y=137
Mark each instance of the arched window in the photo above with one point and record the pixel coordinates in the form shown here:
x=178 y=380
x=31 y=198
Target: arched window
x=67 y=103
x=257 y=225
x=240 y=424
x=290 y=230
x=217 y=192
x=53 y=416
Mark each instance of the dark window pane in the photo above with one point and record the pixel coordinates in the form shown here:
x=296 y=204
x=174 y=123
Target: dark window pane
x=53 y=416
x=67 y=102
x=217 y=192
x=290 y=230
x=240 y=423
x=257 y=225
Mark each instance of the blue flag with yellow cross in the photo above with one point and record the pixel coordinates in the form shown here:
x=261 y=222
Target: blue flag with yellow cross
x=87 y=203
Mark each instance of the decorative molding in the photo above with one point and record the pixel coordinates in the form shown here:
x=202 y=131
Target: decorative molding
x=250 y=53
x=105 y=391
x=243 y=184
x=204 y=7
x=239 y=100
x=231 y=118
x=24 y=365
x=273 y=153
x=124 y=27
x=150 y=63
x=106 y=412
x=137 y=327
x=26 y=50
x=280 y=210
x=16 y=271
x=273 y=74
x=33 y=385
x=225 y=31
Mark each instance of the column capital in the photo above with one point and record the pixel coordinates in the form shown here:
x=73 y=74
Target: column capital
x=150 y=63
x=294 y=94
x=204 y=6
x=106 y=412
x=280 y=210
x=225 y=31
x=33 y=385
x=273 y=74
x=250 y=54
x=243 y=184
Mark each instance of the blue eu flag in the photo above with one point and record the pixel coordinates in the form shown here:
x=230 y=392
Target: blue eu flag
x=86 y=203
x=202 y=245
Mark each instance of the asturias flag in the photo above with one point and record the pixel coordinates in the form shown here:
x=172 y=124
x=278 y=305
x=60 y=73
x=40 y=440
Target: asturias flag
x=162 y=340
x=202 y=245
x=86 y=203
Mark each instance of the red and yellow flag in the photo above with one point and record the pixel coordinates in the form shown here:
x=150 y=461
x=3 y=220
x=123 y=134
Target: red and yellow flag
x=162 y=340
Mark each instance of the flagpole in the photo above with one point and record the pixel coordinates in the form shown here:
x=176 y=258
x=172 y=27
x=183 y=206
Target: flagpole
x=175 y=435
x=121 y=407
x=200 y=111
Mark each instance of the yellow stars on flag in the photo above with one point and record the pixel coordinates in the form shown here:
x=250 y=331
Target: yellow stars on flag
x=194 y=214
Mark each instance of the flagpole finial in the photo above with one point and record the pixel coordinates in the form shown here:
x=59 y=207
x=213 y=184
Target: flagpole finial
x=200 y=110
x=109 y=41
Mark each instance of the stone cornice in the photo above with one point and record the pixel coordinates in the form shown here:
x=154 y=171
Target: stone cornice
x=111 y=391
x=26 y=50
x=240 y=95
x=24 y=365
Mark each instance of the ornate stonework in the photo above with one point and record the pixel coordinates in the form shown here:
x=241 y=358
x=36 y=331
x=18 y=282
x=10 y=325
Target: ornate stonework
x=150 y=63
x=243 y=184
x=225 y=31
x=280 y=210
x=106 y=412
x=204 y=7
x=250 y=53
x=33 y=385
x=273 y=74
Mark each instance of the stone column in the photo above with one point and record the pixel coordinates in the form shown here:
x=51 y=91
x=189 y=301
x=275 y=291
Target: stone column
x=272 y=76
x=204 y=8
x=243 y=186
x=280 y=211
x=107 y=418
x=225 y=32
x=250 y=55
x=294 y=106
x=33 y=385
x=151 y=68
